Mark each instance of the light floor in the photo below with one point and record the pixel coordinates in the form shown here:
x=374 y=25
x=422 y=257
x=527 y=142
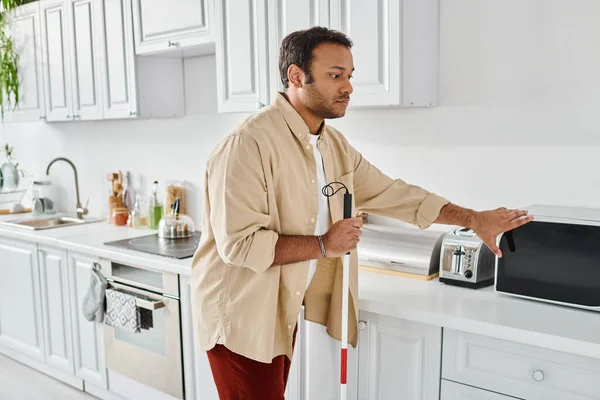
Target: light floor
x=18 y=382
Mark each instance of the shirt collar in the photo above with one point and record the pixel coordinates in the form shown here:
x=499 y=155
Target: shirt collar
x=293 y=119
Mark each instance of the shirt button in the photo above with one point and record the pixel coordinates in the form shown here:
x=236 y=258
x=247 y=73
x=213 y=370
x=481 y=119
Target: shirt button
x=308 y=147
x=312 y=220
x=289 y=327
x=298 y=293
x=312 y=180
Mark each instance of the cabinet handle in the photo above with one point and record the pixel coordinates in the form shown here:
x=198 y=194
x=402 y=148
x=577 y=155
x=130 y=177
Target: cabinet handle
x=42 y=117
x=76 y=116
x=173 y=44
x=538 y=375
x=132 y=113
x=69 y=116
x=362 y=325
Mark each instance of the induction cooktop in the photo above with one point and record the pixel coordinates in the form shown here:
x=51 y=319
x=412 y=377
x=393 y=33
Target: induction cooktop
x=152 y=244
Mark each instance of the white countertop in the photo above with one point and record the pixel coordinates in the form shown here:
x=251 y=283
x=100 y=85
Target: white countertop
x=479 y=311
x=89 y=239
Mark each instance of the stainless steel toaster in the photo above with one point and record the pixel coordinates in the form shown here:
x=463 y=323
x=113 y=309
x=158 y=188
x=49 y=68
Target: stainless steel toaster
x=465 y=260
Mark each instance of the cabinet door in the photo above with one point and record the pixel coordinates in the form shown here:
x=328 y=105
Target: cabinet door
x=85 y=78
x=55 y=56
x=455 y=391
x=287 y=16
x=88 y=339
x=320 y=364
x=117 y=60
x=242 y=70
x=377 y=44
x=55 y=308
x=26 y=32
x=163 y=25
x=199 y=382
x=20 y=306
x=398 y=359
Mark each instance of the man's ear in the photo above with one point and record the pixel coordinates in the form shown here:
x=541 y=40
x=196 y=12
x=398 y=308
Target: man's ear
x=295 y=76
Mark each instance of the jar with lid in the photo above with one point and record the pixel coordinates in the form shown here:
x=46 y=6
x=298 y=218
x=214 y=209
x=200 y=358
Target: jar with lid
x=120 y=215
x=174 y=190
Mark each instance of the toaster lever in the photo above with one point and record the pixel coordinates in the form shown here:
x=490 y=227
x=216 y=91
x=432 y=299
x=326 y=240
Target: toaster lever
x=458 y=259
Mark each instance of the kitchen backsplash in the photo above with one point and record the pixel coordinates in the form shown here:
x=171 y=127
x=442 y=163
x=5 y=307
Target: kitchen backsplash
x=517 y=122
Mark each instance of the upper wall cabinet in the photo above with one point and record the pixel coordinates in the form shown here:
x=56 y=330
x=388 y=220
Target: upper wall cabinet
x=395 y=50
x=242 y=61
x=26 y=34
x=287 y=16
x=134 y=86
x=162 y=26
x=70 y=60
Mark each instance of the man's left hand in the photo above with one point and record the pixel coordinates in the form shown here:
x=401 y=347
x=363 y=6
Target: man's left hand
x=489 y=224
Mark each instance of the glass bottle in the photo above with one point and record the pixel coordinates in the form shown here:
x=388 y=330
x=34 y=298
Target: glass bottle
x=139 y=217
x=155 y=209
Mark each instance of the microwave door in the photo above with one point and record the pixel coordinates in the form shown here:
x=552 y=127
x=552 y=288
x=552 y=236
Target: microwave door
x=550 y=261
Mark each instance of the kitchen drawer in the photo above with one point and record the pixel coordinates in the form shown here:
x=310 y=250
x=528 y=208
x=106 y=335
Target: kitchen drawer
x=457 y=391
x=518 y=370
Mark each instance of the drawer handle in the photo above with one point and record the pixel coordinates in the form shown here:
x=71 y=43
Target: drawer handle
x=538 y=375
x=362 y=325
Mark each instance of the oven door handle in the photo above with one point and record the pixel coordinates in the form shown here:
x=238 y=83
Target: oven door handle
x=149 y=304
x=146 y=303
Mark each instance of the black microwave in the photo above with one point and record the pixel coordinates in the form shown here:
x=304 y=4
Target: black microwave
x=555 y=258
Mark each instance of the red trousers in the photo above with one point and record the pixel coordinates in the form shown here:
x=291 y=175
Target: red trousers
x=240 y=378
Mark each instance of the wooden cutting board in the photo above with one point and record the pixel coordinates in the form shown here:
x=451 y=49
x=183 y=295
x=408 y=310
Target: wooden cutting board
x=4 y=212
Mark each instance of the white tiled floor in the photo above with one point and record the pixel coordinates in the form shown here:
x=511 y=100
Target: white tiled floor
x=18 y=382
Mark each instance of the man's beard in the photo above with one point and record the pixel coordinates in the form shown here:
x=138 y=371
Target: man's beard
x=320 y=105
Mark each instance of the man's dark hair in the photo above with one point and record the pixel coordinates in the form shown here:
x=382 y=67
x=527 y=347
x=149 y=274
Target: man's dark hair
x=297 y=48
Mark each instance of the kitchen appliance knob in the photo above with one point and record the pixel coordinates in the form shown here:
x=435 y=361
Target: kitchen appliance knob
x=538 y=375
x=468 y=274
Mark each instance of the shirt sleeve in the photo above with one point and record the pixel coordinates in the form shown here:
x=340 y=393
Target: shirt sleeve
x=239 y=214
x=377 y=193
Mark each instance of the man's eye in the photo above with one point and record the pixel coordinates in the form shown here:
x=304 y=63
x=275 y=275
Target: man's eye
x=335 y=76
x=350 y=77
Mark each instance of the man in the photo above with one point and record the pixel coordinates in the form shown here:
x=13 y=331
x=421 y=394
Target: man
x=272 y=242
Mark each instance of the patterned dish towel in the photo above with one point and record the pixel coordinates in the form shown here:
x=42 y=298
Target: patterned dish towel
x=121 y=311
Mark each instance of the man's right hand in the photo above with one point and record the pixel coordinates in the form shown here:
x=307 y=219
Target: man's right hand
x=342 y=237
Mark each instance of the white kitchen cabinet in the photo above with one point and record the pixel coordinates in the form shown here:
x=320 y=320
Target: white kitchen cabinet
x=82 y=16
x=134 y=86
x=54 y=284
x=518 y=370
x=318 y=358
x=398 y=359
x=20 y=305
x=455 y=391
x=286 y=16
x=55 y=61
x=241 y=55
x=162 y=26
x=395 y=50
x=88 y=338
x=26 y=34
x=199 y=382
x=70 y=59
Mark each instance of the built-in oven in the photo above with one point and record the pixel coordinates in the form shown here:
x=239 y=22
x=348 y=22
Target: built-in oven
x=151 y=356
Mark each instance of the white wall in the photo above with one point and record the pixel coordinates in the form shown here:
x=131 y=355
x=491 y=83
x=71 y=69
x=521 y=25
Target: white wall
x=517 y=122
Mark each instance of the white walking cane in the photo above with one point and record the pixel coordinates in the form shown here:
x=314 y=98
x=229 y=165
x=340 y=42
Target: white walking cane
x=345 y=284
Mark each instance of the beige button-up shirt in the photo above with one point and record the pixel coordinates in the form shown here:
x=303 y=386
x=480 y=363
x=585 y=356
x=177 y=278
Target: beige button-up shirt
x=261 y=182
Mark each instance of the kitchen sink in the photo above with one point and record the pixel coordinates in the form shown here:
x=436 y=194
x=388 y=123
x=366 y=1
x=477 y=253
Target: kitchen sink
x=49 y=223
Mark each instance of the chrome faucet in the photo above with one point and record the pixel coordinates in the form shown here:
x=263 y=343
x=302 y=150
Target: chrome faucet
x=81 y=211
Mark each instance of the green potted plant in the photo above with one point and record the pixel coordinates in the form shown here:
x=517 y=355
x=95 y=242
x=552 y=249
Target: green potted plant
x=9 y=60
